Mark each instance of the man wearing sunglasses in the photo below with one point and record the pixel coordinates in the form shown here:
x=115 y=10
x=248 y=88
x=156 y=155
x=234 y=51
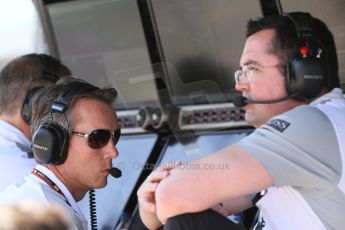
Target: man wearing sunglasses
x=289 y=81
x=75 y=131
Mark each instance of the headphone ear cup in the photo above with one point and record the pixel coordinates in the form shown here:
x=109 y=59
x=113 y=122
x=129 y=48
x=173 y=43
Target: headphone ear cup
x=305 y=77
x=50 y=144
x=26 y=110
x=307 y=71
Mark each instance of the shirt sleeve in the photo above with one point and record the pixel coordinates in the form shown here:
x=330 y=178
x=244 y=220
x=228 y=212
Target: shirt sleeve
x=297 y=148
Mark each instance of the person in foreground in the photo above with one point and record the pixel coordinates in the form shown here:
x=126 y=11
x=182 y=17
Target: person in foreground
x=33 y=216
x=19 y=80
x=75 y=131
x=289 y=80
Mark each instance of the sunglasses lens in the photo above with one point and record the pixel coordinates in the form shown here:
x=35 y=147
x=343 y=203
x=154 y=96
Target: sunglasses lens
x=116 y=136
x=99 y=138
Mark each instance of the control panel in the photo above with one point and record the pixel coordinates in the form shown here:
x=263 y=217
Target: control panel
x=193 y=117
x=130 y=121
x=224 y=115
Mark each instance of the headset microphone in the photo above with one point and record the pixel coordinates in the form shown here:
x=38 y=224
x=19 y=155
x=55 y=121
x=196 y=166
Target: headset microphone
x=241 y=101
x=115 y=172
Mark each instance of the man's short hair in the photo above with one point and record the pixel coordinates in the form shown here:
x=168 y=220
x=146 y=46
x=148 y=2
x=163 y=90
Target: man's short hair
x=24 y=73
x=45 y=97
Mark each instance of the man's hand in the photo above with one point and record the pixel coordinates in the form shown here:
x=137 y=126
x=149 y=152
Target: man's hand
x=146 y=192
x=146 y=195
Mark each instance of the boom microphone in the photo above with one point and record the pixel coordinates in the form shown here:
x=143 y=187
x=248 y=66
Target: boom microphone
x=115 y=172
x=241 y=101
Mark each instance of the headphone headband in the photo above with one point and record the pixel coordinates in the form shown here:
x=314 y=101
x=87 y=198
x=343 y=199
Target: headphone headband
x=302 y=22
x=68 y=92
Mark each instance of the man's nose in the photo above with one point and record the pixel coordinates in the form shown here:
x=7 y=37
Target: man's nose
x=111 y=149
x=242 y=85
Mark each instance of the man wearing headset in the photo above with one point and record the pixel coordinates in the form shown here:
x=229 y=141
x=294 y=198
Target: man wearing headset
x=288 y=77
x=19 y=80
x=75 y=131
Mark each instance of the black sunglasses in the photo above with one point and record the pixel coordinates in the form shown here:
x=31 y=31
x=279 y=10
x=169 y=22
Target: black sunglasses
x=99 y=138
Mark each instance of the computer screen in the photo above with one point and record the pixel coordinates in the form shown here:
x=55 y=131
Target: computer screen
x=103 y=42
x=202 y=42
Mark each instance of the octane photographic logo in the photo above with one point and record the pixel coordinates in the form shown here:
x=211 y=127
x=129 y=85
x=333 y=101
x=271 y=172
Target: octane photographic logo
x=120 y=165
x=185 y=165
x=41 y=147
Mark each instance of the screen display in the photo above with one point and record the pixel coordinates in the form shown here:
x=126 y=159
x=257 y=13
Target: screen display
x=103 y=42
x=202 y=42
x=199 y=146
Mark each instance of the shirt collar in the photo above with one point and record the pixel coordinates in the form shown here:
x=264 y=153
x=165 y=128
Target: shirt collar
x=63 y=189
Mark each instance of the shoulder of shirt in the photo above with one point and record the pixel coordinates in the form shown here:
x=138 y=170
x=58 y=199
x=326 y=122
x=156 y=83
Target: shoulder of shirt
x=302 y=112
x=29 y=190
x=299 y=117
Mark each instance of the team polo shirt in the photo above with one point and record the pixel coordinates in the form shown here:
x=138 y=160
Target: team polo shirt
x=303 y=151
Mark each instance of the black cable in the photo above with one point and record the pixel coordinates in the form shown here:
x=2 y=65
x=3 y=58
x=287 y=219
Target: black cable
x=93 y=215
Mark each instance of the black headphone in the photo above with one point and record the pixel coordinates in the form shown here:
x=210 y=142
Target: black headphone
x=307 y=70
x=50 y=141
x=50 y=72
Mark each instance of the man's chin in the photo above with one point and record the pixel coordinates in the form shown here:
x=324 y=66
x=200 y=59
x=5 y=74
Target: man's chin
x=250 y=118
x=101 y=184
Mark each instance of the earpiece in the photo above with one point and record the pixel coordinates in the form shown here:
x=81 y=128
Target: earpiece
x=50 y=141
x=26 y=108
x=49 y=72
x=307 y=71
